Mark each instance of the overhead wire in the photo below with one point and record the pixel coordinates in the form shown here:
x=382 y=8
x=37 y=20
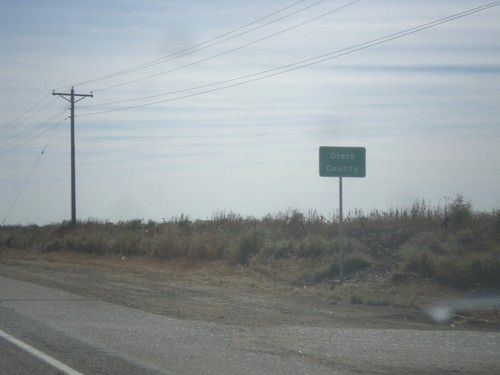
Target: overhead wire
x=26 y=137
x=236 y=48
x=194 y=48
x=18 y=121
x=197 y=48
x=54 y=128
x=23 y=133
x=154 y=62
x=228 y=83
x=297 y=65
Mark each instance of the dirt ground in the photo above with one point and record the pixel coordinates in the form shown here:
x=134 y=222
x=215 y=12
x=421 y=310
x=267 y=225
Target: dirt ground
x=211 y=292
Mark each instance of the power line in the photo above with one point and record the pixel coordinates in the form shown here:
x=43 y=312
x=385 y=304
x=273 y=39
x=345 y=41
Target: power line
x=14 y=144
x=192 y=49
x=18 y=120
x=297 y=65
x=31 y=172
x=18 y=140
x=236 y=48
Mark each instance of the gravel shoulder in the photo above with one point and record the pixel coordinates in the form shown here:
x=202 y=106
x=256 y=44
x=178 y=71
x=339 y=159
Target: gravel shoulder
x=208 y=292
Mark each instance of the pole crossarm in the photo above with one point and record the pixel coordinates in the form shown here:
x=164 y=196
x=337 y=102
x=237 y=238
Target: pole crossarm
x=63 y=94
x=72 y=101
x=72 y=95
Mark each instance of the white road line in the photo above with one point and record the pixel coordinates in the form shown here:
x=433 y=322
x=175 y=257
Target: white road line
x=40 y=355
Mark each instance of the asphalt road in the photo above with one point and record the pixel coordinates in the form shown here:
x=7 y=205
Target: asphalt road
x=93 y=337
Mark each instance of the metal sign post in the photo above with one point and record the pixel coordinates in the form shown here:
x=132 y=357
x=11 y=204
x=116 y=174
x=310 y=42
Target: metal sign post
x=341 y=231
x=342 y=162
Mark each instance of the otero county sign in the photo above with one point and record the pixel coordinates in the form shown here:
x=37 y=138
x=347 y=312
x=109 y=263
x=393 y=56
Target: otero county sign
x=342 y=161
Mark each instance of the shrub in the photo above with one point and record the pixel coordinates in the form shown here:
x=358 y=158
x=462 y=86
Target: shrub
x=306 y=245
x=356 y=300
x=469 y=271
x=127 y=243
x=327 y=272
x=331 y=271
x=312 y=246
x=462 y=260
x=485 y=271
x=460 y=212
x=356 y=262
x=418 y=260
x=280 y=249
x=248 y=245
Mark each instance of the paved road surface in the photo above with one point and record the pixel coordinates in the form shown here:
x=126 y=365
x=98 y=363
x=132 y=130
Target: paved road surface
x=93 y=337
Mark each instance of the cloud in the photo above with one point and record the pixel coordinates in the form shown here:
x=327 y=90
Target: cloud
x=424 y=106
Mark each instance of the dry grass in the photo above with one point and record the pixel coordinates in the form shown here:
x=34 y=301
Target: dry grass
x=400 y=257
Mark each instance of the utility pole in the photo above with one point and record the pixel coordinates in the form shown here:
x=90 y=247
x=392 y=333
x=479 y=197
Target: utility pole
x=72 y=101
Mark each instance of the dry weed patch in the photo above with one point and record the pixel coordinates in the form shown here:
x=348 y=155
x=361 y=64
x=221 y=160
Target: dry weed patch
x=407 y=257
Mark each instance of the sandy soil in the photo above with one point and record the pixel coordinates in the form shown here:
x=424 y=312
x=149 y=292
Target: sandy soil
x=207 y=292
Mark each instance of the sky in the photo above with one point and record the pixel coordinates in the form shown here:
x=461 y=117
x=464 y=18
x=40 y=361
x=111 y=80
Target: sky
x=208 y=107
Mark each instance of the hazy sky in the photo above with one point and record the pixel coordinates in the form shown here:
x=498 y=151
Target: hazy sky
x=204 y=135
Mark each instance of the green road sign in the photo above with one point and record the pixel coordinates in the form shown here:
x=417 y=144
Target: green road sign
x=342 y=161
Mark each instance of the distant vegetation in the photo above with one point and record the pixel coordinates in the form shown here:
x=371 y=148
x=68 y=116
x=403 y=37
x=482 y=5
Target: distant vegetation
x=451 y=245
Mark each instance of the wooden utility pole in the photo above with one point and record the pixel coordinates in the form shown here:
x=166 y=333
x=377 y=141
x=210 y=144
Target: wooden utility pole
x=72 y=101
